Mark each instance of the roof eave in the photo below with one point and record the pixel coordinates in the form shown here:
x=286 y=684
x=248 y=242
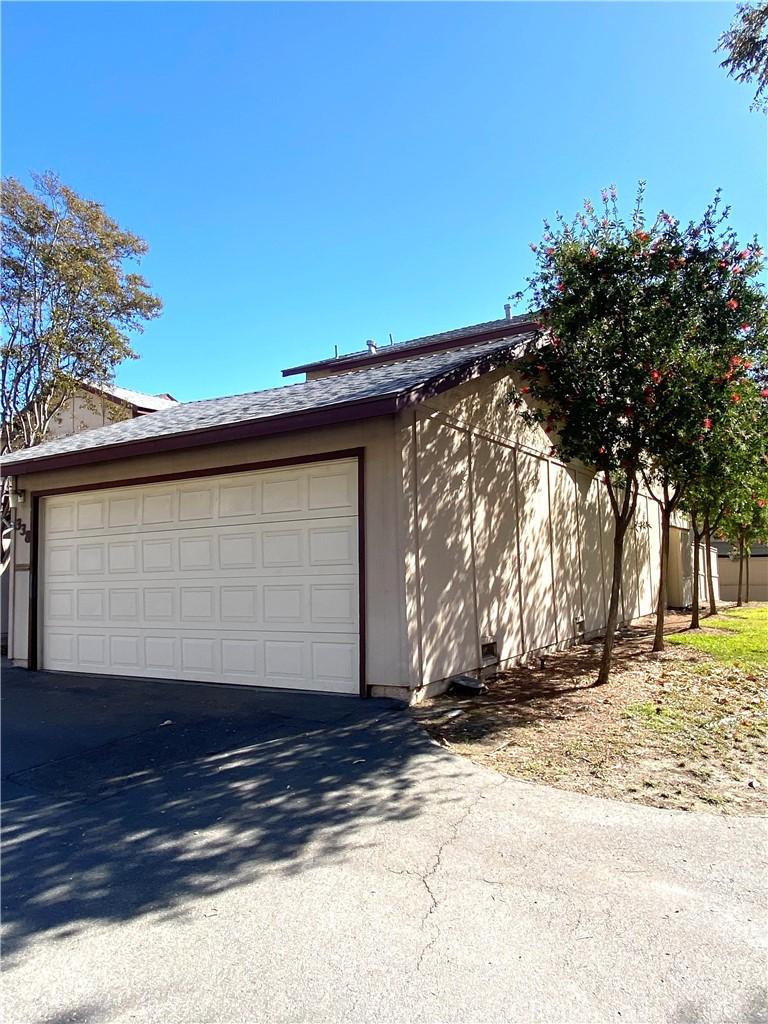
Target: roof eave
x=267 y=427
x=437 y=384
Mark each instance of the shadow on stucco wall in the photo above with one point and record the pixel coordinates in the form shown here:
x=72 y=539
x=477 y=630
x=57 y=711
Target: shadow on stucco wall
x=512 y=545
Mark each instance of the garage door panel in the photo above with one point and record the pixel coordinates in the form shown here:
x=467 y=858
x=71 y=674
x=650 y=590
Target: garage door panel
x=305 y=493
x=295 y=549
x=249 y=578
x=291 y=659
x=192 y=603
x=61 y=518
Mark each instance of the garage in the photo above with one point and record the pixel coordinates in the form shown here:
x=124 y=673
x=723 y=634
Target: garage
x=245 y=577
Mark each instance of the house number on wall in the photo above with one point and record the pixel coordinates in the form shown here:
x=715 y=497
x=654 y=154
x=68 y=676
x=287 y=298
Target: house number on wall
x=22 y=529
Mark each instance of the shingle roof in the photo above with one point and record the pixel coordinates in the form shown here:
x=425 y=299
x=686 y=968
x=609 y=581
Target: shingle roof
x=373 y=391
x=446 y=338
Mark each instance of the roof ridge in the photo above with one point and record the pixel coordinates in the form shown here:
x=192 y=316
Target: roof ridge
x=415 y=343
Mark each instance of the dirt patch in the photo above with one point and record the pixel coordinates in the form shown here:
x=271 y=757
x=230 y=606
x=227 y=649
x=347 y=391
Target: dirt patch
x=676 y=729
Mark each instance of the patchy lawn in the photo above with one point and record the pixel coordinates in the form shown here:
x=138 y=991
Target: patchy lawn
x=738 y=636
x=687 y=728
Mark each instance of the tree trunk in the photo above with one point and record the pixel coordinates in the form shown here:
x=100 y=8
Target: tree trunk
x=695 y=580
x=747 y=559
x=741 y=572
x=661 y=606
x=613 y=605
x=710 y=578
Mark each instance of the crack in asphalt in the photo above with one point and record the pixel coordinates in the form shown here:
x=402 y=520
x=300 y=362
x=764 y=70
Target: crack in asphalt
x=428 y=876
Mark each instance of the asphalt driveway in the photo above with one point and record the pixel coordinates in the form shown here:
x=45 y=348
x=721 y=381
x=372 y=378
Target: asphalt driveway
x=186 y=853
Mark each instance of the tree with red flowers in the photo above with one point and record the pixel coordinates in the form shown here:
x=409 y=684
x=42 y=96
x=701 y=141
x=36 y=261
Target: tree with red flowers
x=730 y=491
x=745 y=516
x=714 y=336
x=622 y=343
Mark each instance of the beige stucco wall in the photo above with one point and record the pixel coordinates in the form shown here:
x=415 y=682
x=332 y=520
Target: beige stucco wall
x=729 y=579
x=503 y=540
x=84 y=411
x=680 y=578
x=386 y=641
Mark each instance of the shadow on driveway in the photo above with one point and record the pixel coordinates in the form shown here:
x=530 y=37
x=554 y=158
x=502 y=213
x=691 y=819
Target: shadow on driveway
x=125 y=797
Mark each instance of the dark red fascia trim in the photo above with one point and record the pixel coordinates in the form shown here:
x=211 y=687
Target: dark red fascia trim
x=392 y=355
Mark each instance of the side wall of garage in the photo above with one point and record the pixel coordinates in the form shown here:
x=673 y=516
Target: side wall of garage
x=505 y=544
x=758 y=578
x=386 y=642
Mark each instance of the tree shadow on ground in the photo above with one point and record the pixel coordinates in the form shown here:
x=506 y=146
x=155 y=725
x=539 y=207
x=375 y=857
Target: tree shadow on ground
x=146 y=822
x=529 y=694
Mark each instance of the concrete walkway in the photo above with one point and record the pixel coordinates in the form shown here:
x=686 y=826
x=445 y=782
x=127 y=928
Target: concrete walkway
x=180 y=853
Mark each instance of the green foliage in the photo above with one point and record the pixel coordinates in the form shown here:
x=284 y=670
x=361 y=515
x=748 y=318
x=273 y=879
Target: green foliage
x=746 y=43
x=68 y=302
x=730 y=488
x=650 y=330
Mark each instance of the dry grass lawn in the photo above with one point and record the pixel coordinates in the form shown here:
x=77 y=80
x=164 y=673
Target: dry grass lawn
x=686 y=728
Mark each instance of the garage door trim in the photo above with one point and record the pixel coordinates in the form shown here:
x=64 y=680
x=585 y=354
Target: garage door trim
x=348 y=453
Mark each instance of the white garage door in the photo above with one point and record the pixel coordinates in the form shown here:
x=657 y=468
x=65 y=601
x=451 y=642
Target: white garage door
x=246 y=578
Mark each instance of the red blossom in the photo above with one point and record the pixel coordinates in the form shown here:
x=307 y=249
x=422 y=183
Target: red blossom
x=707 y=423
x=732 y=304
x=525 y=390
x=735 y=397
x=655 y=376
x=642 y=236
x=743 y=327
x=561 y=287
x=764 y=393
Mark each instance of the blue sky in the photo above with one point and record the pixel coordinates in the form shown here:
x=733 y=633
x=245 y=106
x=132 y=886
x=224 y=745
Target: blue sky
x=311 y=175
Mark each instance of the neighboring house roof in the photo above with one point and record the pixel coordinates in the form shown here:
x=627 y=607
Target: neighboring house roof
x=137 y=400
x=359 y=394
x=725 y=548
x=141 y=401
x=461 y=336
